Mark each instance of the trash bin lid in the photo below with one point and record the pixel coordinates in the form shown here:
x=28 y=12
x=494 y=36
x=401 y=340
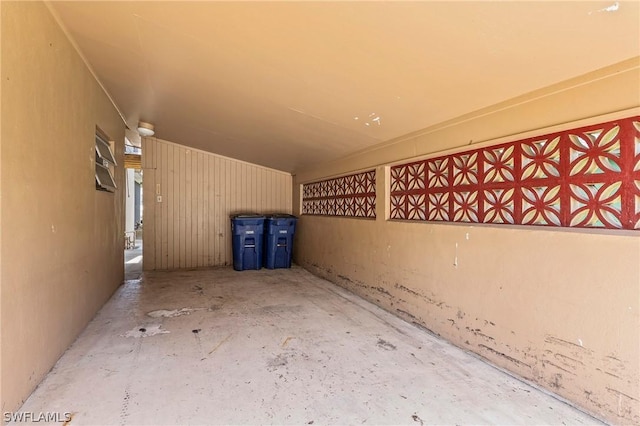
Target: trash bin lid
x=281 y=216
x=247 y=216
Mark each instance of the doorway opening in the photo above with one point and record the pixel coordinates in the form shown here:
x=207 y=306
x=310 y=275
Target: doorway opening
x=133 y=212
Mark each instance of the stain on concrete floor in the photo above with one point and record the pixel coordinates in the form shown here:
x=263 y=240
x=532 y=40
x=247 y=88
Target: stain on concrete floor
x=274 y=347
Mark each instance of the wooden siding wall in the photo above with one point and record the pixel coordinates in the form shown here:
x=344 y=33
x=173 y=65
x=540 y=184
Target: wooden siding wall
x=190 y=227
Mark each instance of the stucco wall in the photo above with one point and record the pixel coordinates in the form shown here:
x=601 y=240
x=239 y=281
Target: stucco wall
x=1 y=399
x=557 y=307
x=62 y=241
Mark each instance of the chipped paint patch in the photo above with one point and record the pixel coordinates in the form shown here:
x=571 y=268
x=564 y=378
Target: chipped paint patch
x=612 y=8
x=505 y=356
x=557 y=341
x=478 y=332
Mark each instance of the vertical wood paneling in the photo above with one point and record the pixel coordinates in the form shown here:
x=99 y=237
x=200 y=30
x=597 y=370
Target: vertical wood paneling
x=191 y=227
x=241 y=193
x=182 y=250
x=216 y=255
x=164 y=161
x=200 y=236
x=187 y=206
x=229 y=196
x=194 y=208
x=213 y=209
x=169 y=206
x=175 y=187
x=204 y=229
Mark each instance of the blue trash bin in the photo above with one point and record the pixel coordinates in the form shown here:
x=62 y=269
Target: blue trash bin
x=247 y=231
x=279 y=231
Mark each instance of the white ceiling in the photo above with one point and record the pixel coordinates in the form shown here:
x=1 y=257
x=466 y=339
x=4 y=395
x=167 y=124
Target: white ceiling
x=289 y=84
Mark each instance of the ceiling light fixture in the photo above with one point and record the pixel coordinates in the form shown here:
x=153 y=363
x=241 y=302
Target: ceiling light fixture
x=145 y=129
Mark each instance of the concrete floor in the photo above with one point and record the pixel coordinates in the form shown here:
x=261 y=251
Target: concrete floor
x=133 y=262
x=274 y=347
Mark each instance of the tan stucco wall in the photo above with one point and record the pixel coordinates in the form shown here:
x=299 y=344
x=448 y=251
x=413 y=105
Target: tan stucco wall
x=1 y=399
x=557 y=307
x=62 y=241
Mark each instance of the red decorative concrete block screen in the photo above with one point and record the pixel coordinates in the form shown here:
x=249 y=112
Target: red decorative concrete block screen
x=585 y=178
x=353 y=195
